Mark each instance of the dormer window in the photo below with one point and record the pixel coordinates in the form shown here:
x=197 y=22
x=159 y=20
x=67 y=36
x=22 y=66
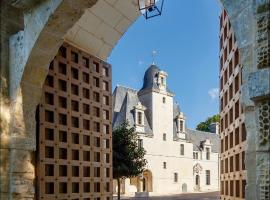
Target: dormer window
x=181 y=126
x=164 y=100
x=140 y=119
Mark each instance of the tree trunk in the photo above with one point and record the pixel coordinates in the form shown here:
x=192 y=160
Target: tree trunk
x=119 y=188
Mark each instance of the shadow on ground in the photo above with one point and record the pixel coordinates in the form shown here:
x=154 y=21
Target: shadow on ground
x=188 y=196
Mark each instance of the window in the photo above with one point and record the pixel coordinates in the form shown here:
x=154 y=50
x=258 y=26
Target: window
x=181 y=126
x=182 y=149
x=195 y=155
x=162 y=80
x=164 y=136
x=175 y=177
x=207 y=153
x=207 y=173
x=140 y=143
x=140 y=118
x=164 y=100
x=164 y=165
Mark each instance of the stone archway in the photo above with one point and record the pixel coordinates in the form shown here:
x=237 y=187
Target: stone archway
x=46 y=24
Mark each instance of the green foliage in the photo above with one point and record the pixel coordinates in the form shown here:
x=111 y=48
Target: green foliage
x=204 y=126
x=128 y=157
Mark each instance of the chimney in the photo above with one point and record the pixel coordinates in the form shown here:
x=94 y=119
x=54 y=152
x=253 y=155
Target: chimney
x=214 y=127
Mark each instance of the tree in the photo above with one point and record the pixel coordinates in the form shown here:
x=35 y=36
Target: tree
x=204 y=126
x=128 y=157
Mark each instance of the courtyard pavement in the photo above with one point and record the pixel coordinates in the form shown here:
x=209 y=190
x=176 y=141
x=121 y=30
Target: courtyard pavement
x=189 y=196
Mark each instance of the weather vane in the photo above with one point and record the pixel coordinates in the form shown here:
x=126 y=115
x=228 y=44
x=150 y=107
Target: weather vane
x=154 y=53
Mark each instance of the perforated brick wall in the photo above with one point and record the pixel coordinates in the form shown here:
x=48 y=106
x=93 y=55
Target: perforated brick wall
x=74 y=129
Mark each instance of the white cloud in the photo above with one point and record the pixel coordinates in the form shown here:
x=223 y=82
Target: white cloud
x=213 y=93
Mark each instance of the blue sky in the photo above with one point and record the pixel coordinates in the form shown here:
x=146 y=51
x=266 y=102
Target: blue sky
x=187 y=44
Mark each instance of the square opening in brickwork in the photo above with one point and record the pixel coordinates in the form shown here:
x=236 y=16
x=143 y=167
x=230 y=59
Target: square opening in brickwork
x=106 y=114
x=86 y=155
x=107 y=186
x=236 y=135
x=62 y=102
x=231 y=91
x=62 y=170
x=75 y=138
x=86 y=171
x=75 y=154
x=237 y=188
x=236 y=110
x=49 y=187
x=96 y=81
x=96 y=66
x=85 y=62
x=75 y=171
x=237 y=166
x=96 y=171
x=243 y=161
x=86 y=187
x=226 y=143
x=236 y=58
x=107 y=142
x=105 y=86
x=75 y=122
x=49 y=116
x=231 y=188
x=62 y=136
x=107 y=172
x=86 y=93
x=74 y=73
x=85 y=77
x=96 y=156
x=51 y=67
x=97 y=141
x=63 y=51
x=226 y=165
x=97 y=187
x=62 y=85
x=74 y=89
x=62 y=187
x=96 y=111
x=49 y=170
x=75 y=105
x=105 y=71
x=96 y=126
x=74 y=57
x=86 y=109
x=75 y=187
x=226 y=188
x=62 y=119
x=63 y=153
x=49 y=98
x=86 y=124
x=231 y=164
x=62 y=68
x=105 y=100
x=49 y=81
x=96 y=96
x=49 y=152
x=236 y=84
x=243 y=132
x=86 y=140
x=231 y=139
x=49 y=134
x=231 y=115
x=106 y=129
x=107 y=158
x=244 y=188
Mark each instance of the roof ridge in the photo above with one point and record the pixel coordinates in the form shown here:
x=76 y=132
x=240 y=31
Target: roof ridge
x=126 y=87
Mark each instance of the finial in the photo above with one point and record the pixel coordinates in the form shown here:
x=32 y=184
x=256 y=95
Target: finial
x=154 y=53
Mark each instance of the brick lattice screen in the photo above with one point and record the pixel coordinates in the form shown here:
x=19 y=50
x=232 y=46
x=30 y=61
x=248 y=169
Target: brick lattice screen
x=74 y=138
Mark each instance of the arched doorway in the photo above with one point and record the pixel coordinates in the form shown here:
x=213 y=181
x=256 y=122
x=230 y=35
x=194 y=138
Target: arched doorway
x=58 y=21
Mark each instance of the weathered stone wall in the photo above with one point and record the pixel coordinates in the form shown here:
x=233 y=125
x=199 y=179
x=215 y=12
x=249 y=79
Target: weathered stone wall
x=26 y=52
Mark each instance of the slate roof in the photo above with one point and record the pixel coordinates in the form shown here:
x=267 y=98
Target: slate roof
x=124 y=100
x=197 y=137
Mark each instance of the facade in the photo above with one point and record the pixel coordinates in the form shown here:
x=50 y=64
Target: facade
x=74 y=142
x=233 y=130
x=179 y=159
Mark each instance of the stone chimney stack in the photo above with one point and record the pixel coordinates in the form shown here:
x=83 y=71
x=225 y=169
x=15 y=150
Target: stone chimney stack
x=214 y=127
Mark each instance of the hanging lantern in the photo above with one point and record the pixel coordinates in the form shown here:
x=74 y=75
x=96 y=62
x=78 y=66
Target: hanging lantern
x=150 y=8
